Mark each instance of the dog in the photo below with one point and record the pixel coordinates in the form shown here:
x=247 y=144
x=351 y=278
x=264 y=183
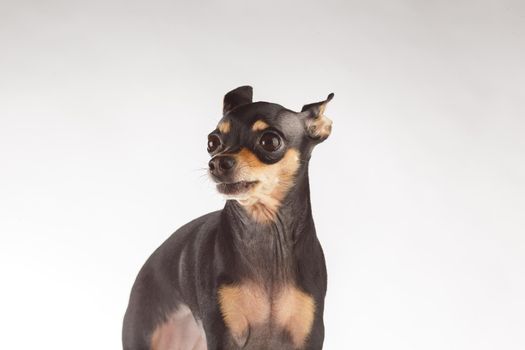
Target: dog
x=252 y=275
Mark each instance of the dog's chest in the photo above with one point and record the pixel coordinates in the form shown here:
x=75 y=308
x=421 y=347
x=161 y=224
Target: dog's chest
x=249 y=306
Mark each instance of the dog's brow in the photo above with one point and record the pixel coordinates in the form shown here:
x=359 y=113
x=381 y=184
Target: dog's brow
x=259 y=125
x=224 y=127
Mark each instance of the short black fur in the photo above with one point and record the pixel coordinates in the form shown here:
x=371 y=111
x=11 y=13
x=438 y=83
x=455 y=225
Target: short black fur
x=228 y=246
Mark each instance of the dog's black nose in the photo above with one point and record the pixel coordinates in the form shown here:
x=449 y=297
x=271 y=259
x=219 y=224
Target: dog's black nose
x=226 y=163
x=221 y=164
x=211 y=165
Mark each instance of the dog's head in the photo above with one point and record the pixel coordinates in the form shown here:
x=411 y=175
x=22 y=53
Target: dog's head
x=258 y=148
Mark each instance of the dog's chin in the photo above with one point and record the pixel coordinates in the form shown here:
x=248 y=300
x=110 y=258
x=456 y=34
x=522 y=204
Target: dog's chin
x=236 y=190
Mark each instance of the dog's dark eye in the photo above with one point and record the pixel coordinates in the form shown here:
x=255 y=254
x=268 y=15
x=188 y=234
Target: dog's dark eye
x=270 y=141
x=213 y=143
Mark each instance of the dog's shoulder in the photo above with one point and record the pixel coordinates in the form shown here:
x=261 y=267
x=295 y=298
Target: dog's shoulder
x=195 y=229
x=194 y=233
x=178 y=256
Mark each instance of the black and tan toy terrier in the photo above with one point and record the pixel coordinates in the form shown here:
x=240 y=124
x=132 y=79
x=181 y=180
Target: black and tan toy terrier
x=252 y=275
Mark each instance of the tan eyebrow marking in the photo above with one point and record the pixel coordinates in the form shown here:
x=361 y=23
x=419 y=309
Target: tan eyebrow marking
x=259 y=125
x=224 y=127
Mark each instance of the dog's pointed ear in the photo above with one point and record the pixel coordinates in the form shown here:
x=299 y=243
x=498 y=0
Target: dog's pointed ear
x=317 y=125
x=237 y=97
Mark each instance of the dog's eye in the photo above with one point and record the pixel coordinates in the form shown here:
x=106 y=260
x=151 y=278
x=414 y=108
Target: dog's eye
x=270 y=141
x=213 y=143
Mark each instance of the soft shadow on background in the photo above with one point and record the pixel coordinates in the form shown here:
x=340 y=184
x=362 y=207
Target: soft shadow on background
x=418 y=196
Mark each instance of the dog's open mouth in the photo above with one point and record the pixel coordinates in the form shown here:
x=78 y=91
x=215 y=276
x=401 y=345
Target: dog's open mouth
x=235 y=187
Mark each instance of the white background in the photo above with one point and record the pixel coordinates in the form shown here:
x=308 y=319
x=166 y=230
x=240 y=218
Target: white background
x=418 y=196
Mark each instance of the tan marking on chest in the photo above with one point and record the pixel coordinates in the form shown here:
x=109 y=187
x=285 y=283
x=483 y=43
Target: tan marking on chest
x=248 y=304
x=294 y=312
x=243 y=305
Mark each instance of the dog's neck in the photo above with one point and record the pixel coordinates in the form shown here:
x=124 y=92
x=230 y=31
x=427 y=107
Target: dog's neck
x=272 y=242
x=291 y=215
